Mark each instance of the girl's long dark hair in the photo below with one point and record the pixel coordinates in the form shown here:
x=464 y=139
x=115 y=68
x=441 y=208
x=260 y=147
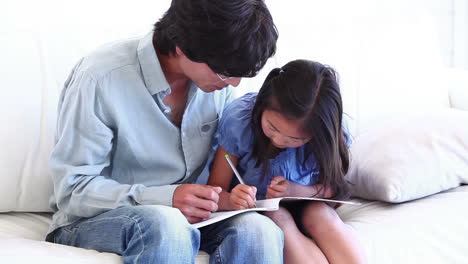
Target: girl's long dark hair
x=307 y=91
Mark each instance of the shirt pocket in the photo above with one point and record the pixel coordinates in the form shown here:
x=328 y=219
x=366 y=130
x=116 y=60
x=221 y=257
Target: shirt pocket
x=207 y=129
x=201 y=144
x=207 y=132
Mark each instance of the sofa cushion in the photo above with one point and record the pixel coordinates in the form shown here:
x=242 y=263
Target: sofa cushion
x=28 y=117
x=429 y=230
x=22 y=241
x=23 y=251
x=412 y=157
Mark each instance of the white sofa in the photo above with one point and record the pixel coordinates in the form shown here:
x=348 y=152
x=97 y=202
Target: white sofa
x=431 y=229
x=428 y=230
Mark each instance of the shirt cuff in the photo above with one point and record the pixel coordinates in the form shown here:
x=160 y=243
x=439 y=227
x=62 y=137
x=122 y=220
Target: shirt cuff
x=161 y=195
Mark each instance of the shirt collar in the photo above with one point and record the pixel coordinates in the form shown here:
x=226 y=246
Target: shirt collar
x=151 y=68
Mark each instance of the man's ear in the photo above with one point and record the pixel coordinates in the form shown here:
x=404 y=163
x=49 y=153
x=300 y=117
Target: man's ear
x=179 y=52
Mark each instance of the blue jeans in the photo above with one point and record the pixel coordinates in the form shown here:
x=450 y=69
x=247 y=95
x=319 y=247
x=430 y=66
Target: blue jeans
x=160 y=234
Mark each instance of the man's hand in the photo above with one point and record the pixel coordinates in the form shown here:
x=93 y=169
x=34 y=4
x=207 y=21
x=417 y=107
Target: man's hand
x=243 y=197
x=279 y=187
x=196 y=201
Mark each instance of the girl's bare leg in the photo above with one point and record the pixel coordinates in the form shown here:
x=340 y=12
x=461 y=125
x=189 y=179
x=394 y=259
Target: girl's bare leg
x=297 y=247
x=332 y=236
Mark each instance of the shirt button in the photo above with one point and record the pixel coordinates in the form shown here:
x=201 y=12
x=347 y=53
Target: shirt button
x=205 y=128
x=167 y=111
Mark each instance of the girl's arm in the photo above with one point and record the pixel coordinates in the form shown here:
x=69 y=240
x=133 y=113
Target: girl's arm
x=280 y=187
x=312 y=191
x=242 y=196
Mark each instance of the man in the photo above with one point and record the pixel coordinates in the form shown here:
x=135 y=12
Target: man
x=135 y=125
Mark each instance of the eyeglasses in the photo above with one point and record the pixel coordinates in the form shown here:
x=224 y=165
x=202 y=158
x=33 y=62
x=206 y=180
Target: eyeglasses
x=224 y=77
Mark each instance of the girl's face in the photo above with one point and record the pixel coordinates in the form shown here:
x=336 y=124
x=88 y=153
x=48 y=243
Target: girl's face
x=283 y=132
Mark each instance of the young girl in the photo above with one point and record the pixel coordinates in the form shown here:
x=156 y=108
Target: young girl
x=288 y=140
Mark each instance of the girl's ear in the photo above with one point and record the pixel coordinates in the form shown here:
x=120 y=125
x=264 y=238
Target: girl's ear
x=179 y=52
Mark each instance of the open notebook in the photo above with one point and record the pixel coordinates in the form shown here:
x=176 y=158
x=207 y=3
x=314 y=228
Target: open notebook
x=262 y=205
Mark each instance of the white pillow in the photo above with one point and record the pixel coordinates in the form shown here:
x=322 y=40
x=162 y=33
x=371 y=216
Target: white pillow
x=411 y=157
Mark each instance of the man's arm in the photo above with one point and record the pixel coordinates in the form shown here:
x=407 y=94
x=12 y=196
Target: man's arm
x=84 y=143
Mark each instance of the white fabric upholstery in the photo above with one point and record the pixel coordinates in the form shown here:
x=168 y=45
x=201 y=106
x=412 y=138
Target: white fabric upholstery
x=22 y=251
x=20 y=231
x=28 y=108
x=411 y=157
x=457 y=81
x=406 y=233
x=430 y=230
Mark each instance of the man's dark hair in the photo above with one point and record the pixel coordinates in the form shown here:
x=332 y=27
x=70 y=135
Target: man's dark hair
x=233 y=37
x=309 y=92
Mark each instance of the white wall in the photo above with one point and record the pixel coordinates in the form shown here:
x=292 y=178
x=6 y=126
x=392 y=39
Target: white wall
x=389 y=53
x=460 y=34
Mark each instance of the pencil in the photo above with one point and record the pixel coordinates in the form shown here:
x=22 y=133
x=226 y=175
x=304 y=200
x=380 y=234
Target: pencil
x=234 y=169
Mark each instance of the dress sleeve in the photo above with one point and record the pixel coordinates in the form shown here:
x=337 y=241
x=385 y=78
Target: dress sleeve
x=234 y=132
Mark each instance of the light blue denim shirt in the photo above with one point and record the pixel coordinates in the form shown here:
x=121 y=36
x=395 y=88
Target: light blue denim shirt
x=115 y=144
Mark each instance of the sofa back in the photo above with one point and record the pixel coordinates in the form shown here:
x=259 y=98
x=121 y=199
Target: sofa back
x=28 y=114
x=36 y=61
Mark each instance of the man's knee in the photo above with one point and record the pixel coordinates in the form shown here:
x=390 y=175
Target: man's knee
x=164 y=222
x=258 y=229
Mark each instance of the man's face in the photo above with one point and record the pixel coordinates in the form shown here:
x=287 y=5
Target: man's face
x=203 y=76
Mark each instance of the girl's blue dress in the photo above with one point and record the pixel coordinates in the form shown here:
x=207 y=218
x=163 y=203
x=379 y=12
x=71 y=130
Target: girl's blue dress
x=236 y=136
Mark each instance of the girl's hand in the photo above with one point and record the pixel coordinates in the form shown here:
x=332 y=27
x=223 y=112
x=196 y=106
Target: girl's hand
x=243 y=197
x=279 y=187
